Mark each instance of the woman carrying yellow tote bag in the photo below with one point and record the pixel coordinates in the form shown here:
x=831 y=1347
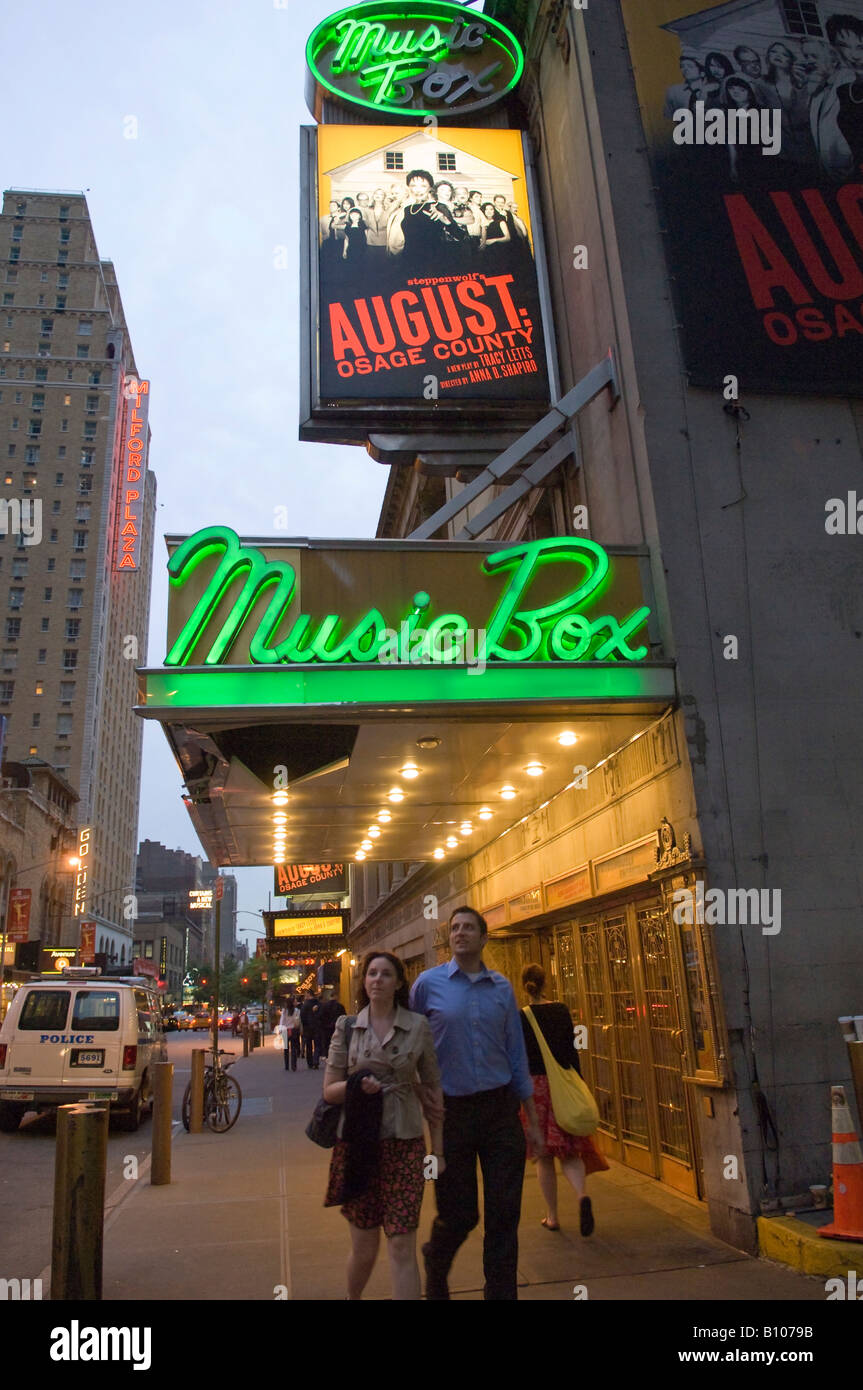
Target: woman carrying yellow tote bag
x=566 y=1111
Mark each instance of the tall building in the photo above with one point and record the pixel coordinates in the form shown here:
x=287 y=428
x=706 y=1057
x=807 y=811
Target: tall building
x=187 y=884
x=76 y=534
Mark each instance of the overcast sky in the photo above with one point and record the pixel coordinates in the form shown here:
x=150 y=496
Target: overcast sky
x=192 y=212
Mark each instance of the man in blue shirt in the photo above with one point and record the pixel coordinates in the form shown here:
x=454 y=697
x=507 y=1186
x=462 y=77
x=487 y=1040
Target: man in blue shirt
x=480 y=1046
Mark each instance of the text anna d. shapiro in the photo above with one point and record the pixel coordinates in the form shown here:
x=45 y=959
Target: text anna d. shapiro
x=76 y=1343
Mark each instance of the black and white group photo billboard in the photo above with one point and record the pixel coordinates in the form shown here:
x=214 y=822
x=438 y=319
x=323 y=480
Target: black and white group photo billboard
x=425 y=300
x=753 y=112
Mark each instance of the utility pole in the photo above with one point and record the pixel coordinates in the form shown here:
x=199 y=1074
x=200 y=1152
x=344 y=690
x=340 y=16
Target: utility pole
x=219 y=889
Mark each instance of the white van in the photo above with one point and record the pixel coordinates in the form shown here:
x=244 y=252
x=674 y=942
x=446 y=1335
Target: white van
x=81 y=1037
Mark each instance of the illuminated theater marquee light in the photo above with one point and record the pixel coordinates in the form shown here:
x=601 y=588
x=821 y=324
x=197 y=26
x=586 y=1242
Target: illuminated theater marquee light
x=558 y=631
x=427 y=58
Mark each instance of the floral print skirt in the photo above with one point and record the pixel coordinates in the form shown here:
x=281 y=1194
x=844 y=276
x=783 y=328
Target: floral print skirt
x=558 y=1143
x=394 y=1196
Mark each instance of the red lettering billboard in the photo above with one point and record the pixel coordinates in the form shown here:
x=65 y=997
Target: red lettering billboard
x=752 y=117
x=427 y=295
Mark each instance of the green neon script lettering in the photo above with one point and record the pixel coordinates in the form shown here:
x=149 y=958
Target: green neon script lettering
x=515 y=633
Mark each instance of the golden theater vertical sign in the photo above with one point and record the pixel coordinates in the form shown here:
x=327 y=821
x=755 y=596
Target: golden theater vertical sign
x=130 y=509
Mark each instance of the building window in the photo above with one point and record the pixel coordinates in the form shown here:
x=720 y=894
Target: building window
x=7 y=690
x=46 y=595
x=82 y=350
x=56 y=506
x=60 y=301
x=45 y=623
x=67 y=690
x=16 y=598
x=61 y=451
x=82 y=511
x=36 y=720
x=62 y=257
x=89 y=429
x=10 y=659
x=11 y=277
x=85 y=328
x=13 y=423
x=47 y=328
x=17 y=233
x=70 y=658
x=85 y=483
x=43 y=656
x=52 y=564
x=13 y=629
x=94 y=378
x=801 y=18
x=394 y=159
x=35 y=429
x=73 y=626
x=58 y=479
x=64 y=235
x=87 y=458
x=41 y=374
x=77 y=569
x=31 y=453
x=63 y=280
x=64 y=725
x=446 y=163
x=8 y=299
x=19 y=568
x=92 y=404
x=74 y=598
x=39 y=688
x=14 y=253
x=54 y=536
x=37 y=400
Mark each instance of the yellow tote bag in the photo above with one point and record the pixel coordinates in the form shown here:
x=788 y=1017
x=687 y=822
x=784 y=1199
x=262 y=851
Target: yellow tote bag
x=575 y=1110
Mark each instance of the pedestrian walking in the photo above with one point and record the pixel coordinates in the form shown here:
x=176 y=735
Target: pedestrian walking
x=477 y=1034
x=377 y=1170
x=309 y=1020
x=235 y=1022
x=289 y=1026
x=576 y=1154
x=330 y=1011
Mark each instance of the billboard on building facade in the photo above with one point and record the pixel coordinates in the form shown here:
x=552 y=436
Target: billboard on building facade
x=424 y=301
x=308 y=878
x=753 y=112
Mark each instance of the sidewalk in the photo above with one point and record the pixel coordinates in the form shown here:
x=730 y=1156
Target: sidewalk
x=243 y=1219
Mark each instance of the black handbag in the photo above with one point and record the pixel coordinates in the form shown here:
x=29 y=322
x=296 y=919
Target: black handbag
x=323 y=1127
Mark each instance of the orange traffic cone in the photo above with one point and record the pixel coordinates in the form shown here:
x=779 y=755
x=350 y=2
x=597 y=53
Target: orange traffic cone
x=847 y=1223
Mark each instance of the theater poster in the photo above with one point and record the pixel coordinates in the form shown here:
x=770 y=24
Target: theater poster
x=753 y=112
x=425 y=298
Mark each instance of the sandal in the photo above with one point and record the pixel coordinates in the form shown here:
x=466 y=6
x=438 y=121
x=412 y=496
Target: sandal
x=548 y=1225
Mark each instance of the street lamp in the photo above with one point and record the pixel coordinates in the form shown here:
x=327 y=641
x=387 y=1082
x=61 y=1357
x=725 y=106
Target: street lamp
x=72 y=862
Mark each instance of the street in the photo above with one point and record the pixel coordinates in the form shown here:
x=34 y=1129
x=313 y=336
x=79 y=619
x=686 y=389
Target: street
x=27 y=1168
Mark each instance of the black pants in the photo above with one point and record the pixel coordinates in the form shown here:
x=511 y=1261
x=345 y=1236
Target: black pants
x=311 y=1050
x=292 y=1049
x=484 y=1126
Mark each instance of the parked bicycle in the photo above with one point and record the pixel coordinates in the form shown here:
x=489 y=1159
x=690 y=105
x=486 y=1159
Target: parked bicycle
x=222 y=1095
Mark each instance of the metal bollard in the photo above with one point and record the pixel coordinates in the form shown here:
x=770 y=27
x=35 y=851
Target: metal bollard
x=245 y=1042
x=163 y=1082
x=79 y=1203
x=196 y=1116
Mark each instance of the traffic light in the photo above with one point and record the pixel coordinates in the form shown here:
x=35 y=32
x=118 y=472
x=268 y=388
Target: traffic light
x=245 y=979
x=204 y=980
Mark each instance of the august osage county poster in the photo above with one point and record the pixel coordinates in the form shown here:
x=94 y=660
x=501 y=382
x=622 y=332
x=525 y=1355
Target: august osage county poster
x=764 y=239
x=427 y=285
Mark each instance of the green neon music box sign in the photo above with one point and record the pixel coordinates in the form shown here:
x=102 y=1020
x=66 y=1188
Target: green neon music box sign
x=431 y=58
x=562 y=600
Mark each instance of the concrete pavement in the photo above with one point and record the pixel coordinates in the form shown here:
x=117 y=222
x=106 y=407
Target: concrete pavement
x=243 y=1219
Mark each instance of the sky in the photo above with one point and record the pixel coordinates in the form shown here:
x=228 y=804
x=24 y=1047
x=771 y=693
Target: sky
x=181 y=122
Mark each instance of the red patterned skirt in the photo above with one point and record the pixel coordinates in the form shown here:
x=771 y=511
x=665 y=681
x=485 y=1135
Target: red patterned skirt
x=394 y=1196
x=558 y=1143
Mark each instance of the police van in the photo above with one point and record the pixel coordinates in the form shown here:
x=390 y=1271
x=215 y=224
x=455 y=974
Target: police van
x=81 y=1037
